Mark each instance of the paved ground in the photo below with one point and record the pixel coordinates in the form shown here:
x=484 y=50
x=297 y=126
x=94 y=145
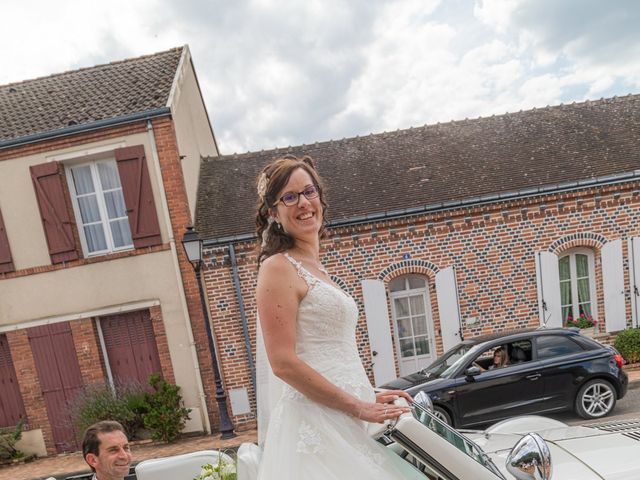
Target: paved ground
x=65 y=465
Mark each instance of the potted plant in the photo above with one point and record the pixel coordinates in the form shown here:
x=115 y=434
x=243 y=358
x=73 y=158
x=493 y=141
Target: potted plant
x=586 y=323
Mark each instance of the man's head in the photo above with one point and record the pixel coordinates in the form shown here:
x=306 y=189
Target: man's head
x=106 y=449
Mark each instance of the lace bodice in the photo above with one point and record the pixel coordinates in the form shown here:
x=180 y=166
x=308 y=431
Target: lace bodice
x=326 y=334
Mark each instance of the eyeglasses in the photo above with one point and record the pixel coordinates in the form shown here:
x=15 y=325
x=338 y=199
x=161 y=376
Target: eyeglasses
x=291 y=198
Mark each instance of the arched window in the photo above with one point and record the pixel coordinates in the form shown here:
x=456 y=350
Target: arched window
x=577 y=284
x=411 y=311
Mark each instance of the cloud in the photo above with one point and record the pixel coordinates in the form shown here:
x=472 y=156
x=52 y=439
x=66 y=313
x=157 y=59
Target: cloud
x=280 y=72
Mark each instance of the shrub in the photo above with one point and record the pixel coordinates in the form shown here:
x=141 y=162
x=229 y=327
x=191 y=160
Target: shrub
x=166 y=414
x=628 y=344
x=8 y=439
x=100 y=402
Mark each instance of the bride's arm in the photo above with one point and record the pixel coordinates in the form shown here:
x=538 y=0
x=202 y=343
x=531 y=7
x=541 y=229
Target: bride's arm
x=279 y=293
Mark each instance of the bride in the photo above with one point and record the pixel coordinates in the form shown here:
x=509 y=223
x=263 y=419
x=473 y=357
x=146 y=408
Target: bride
x=318 y=418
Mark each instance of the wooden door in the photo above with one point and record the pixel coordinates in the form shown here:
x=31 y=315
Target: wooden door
x=60 y=379
x=131 y=347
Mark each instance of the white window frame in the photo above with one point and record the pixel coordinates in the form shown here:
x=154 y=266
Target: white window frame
x=102 y=207
x=574 y=280
x=406 y=293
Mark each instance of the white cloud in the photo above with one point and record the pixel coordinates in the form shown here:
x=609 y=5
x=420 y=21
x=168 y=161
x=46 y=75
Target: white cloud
x=280 y=72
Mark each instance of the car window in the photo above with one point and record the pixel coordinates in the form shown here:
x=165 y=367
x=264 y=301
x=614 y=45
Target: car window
x=450 y=360
x=520 y=351
x=550 y=346
x=455 y=438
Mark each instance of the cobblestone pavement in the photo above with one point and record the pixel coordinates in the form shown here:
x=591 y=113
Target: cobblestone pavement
x=61 y=466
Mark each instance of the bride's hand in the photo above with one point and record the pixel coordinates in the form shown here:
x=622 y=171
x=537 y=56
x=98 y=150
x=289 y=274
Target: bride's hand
x=380 y=412
x=389 y=396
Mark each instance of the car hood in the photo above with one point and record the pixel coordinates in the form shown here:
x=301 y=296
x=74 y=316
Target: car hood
x=576 y=452
x=413 y=380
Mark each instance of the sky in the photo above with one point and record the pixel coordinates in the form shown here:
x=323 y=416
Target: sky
x=275 y=73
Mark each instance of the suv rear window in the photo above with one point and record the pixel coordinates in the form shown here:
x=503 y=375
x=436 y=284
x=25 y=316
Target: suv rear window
x=550 y=346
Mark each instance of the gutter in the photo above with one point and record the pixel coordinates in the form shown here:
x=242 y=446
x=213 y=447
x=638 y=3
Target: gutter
x=87 y=127
x=531 y=192
x=243 y=315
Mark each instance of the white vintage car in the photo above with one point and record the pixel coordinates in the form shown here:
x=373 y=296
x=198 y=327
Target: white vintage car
x=523 y=448
x=529 y=447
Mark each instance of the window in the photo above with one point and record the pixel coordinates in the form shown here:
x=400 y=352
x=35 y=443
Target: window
x=112 y=197
x=100 y=209
x=551 y=346
x=11 y=406
x=413 y=324
x=577 y=286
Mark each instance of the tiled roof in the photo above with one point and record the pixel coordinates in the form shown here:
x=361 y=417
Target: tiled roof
x=87 y=95
x=438 y=163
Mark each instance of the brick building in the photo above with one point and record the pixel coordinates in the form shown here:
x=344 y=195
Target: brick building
x=448 y=231
x=98 y=177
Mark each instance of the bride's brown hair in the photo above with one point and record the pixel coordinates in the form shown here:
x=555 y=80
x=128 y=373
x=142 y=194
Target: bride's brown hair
x=272 y=238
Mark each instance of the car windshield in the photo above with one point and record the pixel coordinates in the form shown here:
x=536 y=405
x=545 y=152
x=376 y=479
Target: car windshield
x=449 y=362
x=454 y=437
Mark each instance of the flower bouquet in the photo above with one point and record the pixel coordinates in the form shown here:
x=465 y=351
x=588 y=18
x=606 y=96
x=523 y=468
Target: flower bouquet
x=223 y=469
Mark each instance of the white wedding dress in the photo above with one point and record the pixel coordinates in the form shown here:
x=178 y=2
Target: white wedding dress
x=306 y=440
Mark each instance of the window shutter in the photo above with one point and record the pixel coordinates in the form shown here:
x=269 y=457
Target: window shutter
x=6 y=262
x=548 y=283
x=613 y=283
x=376 y=313
x=138 y=196
x=51 y=195
x=634 y=273
x=448 y=307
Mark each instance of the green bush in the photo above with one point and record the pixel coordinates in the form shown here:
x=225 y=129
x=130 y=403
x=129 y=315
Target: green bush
x=166 y=414
x=100 y=402
x=8 y=439
x=628 y=344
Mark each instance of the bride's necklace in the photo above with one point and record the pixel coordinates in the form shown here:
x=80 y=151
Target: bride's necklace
x=319 y=266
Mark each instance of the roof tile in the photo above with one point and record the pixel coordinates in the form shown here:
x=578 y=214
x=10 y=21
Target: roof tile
x=87 y=95
x=437 y=163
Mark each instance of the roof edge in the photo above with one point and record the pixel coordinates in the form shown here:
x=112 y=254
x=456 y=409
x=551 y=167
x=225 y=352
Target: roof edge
x=530 y=192
x=86 y=127
x=184 y=56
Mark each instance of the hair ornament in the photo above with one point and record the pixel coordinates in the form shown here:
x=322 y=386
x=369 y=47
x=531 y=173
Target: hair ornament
x=263 y=182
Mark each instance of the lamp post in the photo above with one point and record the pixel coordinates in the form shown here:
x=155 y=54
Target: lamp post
x=192 y=244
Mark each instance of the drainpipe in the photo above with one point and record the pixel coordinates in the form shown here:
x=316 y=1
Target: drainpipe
x=176 y=265
x=243 y=314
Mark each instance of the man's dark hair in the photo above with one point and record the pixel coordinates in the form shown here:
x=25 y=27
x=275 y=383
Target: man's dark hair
x=91 y=442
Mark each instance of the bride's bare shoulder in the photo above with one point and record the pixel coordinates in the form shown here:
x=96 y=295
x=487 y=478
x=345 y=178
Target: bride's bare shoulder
x=277 y=266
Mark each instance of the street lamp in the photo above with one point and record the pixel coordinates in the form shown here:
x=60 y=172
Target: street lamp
x=192 y=244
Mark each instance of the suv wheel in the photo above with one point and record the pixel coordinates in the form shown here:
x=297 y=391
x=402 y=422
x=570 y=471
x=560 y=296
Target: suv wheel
x=595 y=399
x=442 y=414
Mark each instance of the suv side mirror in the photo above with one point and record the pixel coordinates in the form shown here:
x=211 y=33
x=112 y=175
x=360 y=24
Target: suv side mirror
x=530 y=459
x=473 y=371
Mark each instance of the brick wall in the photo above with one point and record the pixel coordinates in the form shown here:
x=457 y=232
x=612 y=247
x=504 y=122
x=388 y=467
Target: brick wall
x=87 y=345
x=493 y=248
x=180 y=215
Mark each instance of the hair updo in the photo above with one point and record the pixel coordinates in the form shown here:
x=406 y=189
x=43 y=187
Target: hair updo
x=272 y=238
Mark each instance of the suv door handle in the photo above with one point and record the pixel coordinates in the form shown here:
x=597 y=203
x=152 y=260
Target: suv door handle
x=532 y=377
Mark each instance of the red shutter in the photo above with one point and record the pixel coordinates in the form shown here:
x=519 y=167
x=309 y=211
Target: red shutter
x=6 y=262
x=47 y=181
x=138 y=196
x=11 y=406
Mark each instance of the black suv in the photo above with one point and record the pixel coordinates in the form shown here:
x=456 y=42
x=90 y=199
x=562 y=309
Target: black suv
x=534 y=371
